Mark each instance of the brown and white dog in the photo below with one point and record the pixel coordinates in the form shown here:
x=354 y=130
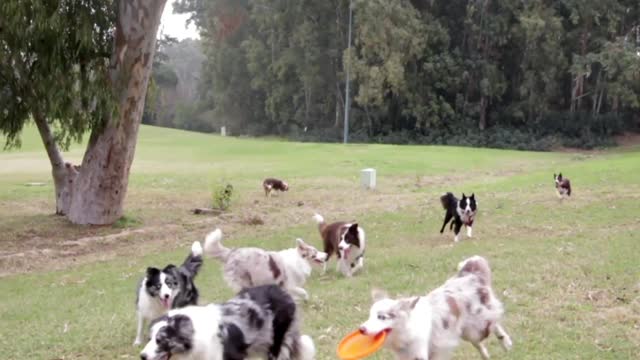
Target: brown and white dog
x=271 y=184
x=346 y=241
x=431 y=327
x=249 y=267
x=563 y=185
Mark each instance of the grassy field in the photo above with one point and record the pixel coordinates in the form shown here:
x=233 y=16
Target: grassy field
x=567 y=271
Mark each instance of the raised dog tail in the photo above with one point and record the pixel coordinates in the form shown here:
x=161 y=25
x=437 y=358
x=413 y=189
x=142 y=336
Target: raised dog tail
x=213 y=246
x=306 y=348
x=476 y=265
x=446 y=199
x=320 y=221
x=193 y=262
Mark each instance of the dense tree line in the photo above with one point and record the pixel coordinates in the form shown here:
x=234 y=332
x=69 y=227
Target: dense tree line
x=506 y=73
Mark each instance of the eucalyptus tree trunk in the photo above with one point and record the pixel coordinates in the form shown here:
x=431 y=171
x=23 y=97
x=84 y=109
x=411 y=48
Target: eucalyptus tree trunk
x=94 y=192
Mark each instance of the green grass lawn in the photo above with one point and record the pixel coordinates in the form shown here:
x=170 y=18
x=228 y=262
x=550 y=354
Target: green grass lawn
x=567 y=271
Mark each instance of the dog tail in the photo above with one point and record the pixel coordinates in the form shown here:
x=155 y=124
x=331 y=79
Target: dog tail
x=213 y=246
x=306 y=348
x=446 y=199
x=476 y=265
x=320 y=221
x=193 y=262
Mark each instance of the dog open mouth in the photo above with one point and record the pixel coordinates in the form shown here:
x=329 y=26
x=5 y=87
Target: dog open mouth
x=382 y=332
x=166 y=303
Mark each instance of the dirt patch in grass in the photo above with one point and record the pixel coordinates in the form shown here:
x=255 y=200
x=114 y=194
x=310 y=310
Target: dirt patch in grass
x=36 y=242
x=163 y=221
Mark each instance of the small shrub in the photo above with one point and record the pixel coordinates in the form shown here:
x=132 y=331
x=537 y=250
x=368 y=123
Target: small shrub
x=126 y=222
x=221 y=196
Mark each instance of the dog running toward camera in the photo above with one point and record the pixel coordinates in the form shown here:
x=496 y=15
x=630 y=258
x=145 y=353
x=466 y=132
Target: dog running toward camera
x=248 y=267
x=563 y=185
x=259 y=322
x=431 y=326
x=169 y=288
x=463 y=212
x=346 y=241
x=272 y=184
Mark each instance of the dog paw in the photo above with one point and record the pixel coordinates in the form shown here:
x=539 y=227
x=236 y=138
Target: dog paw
x=506 y=343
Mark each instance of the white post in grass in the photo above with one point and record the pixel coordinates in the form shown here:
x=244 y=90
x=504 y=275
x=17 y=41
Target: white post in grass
x=223 y=131
x=368 y=178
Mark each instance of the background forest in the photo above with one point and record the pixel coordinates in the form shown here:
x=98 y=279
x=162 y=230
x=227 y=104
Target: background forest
x=500 y=73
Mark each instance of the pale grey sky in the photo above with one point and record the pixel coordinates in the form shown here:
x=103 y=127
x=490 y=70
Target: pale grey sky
x=174 y=24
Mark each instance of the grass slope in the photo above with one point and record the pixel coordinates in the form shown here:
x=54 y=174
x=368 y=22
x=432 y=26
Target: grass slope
x=566 y=271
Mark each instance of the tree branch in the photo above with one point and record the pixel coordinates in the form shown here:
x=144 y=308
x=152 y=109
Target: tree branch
x=55 y=157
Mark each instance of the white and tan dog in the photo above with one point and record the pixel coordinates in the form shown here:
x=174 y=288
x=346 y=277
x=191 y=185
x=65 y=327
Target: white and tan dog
x=249 y=267
x=431 y=327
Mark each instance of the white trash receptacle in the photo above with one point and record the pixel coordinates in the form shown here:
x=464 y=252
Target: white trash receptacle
x=368 y=178
x=223 y=131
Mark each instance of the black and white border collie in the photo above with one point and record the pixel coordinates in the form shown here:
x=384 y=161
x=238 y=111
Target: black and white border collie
x=169 y=288
x=563 y=185
x=271 y=184
x=258 y=322
x=346 y=240
x=462 y=211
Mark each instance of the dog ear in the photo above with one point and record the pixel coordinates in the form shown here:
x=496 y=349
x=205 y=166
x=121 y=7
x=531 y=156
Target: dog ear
x=151 y=272
x=408 y=305
x=463 y=196
x=473 y=195
x=560 y=175
x=300 y=243
x=182 y=330
x=378 y=294
x=354 y=228
x=169 y=268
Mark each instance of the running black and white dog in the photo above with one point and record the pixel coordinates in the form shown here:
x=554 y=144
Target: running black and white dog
x=462 y=211
x=169 y=288
x=563 y=185
x=258 y=322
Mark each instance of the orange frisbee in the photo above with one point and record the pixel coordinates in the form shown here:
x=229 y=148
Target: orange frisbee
x=357 y=346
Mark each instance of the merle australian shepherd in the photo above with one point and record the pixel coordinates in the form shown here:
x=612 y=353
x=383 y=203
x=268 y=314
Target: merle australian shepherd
x=249 y=266
x=563 y=185
x=462 y=211
x=271 y=184
x=169 y=288
x=431 y=326
x=259 y=322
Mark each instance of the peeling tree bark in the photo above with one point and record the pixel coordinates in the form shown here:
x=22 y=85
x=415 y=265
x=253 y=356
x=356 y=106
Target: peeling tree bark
x=98 y=190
